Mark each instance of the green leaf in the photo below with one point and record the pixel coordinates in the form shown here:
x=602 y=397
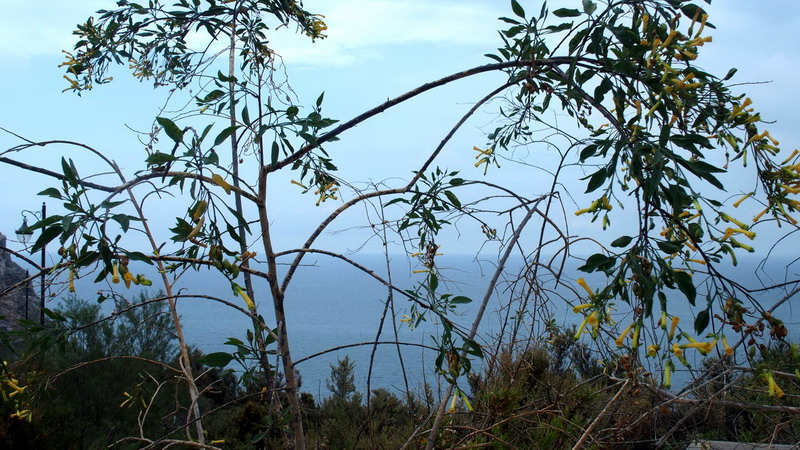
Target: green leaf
x=596 y=262
x=433 y=281
x=730 y=74
x=139 y=256
x=123 y=221
x=456 y=182
x=453 y=199
x=70 y=174
x=259 y=437
x=275 y=153
x=52 y=192
x=685 y=284
x=622 y=241
x=589 y=6
x=224 y=78
x=701 y=321
x=588 y=152
x=602 y=89
x=48 y=234
x=460 y=300
x=692 y=10
x=205 y=132
x=596 y=180
x=218 y=359
x=158 y=158
x=669 y=247
x=54 y=315
x=494 y=57
x=566 y=12
x=233 y=232
x=172 y=130
x=224 y=134
x=473 y=348
x=246 y=115
x=213 y=95
x=517 y=8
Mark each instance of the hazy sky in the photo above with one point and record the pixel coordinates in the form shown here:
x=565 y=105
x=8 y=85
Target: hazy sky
x=376 y=49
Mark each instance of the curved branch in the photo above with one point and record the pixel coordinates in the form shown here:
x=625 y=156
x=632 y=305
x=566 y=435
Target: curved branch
x=73 y=367
x=52 y=174
x=550 y=62
x=293 y=267
x=360 y=344
x=359 y=267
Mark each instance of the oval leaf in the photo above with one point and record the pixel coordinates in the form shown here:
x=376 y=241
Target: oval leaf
x=622 y=241
x=566 y=12
x=172 y=130
x=218 y=359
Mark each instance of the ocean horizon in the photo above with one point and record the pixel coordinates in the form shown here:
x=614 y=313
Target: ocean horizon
x=330 y=304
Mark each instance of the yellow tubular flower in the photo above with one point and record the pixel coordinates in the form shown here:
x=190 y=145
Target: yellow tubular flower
x=663 y=320
x=702 y=25
x=743 y=198
x=25 y=414
x=728 y=349
x=115 y=273
x=794 y=153
x=621 y=339
x=453 y=404
x=635 y=338
x=671 y=36
x=299 y=184
x=238 y=290
x=727 y=218
x=774 y=389
x=71 y=280
x=582 y=282
x=466 y=401
x=580 y=328
x=677 y=350
x=652 y=350
x=758 y=216
x=579 y=308
x=735 y=243
x=703 y=347
x=675 y=320
x=250 y=305
x=606 y=204
x=668 y=375
x=127 y=277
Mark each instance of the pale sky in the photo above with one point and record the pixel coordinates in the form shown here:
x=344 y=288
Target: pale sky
x=376 y=49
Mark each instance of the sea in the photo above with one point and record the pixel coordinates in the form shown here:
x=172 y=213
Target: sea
x=330 y=304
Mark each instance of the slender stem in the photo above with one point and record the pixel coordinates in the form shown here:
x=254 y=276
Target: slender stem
x=479 y=316
x=185 y=360
x=292 y=393
x=600 y=416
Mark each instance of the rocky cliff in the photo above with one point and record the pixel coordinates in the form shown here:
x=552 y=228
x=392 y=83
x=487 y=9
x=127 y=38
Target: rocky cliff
x=13 y=303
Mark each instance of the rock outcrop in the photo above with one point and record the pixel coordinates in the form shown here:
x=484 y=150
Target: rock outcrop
x=15 y=303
